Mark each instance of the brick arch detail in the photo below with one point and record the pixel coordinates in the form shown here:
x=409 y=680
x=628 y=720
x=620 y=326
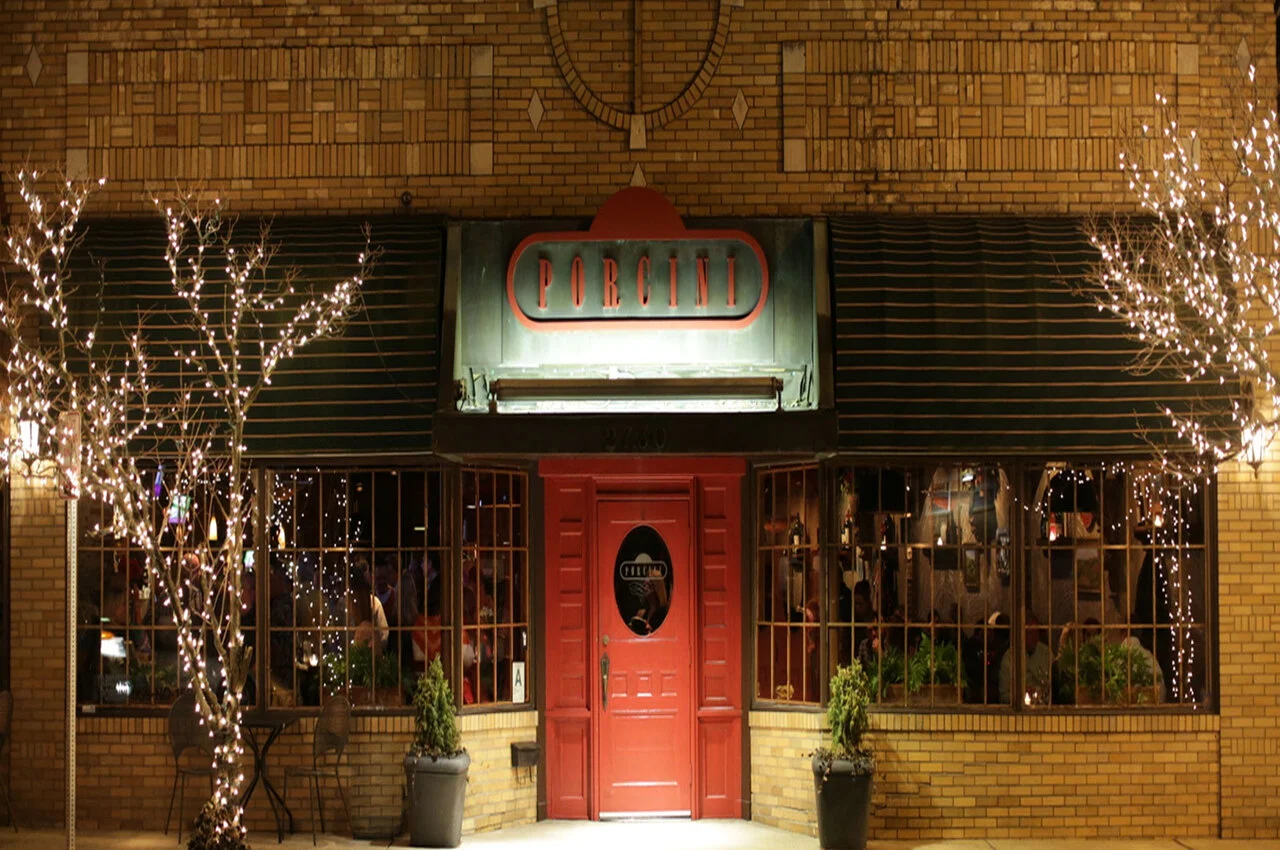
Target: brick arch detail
x=653 y=118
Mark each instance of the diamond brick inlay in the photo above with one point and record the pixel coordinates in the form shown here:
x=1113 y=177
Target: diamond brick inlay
x=1243 y=57
x=536 y=111
x=740 y=109
x=34 y=65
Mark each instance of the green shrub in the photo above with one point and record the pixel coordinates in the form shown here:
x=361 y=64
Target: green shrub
x=892 y=670
x=934 y=664
x=361 y=668
x=434 y=715
x=1124 y=666
x=1101 y=670
x=847 y=716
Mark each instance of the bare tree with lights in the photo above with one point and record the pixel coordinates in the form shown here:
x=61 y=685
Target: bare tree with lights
x=1196 y=279
x=150 y=419
x=1198 y=283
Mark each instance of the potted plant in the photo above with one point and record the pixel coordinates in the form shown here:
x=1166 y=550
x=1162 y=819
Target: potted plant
x=373 y=679
x=436 y=765
x=887 y=678
x=842 y=773
x=935 y=675
x=1104 y=674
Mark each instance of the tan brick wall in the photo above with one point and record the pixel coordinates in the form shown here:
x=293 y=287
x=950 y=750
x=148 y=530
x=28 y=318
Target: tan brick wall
x=919 y=105
x=991 y=106
x=37 y=654
x=958 y=776
x=1249 y=617
x=125 y=774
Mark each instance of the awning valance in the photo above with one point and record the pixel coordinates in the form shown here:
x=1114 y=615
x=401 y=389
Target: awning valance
x=371 y=391
x=957 y=335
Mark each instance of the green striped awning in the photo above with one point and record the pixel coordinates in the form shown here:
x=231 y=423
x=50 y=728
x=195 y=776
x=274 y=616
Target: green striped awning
x=370 y=391
x=957 y=335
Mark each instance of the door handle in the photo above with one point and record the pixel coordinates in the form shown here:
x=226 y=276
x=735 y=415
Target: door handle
x=604 y=681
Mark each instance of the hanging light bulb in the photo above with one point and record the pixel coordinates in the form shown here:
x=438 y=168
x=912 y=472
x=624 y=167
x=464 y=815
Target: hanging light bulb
x=280 y=541
x=213 y=529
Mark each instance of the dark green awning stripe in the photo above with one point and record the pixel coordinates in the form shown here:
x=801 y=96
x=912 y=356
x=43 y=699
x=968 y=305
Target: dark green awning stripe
x=362 y=393
x=955 y=334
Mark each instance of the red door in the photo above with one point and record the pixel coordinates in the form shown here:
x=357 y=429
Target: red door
x=644 y=590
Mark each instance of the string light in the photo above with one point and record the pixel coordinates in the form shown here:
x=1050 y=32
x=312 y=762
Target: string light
x=129 y=427
x=1199 y=288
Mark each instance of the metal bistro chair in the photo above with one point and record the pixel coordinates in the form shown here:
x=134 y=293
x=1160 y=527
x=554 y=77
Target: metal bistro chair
x=332 y=730
x=6 y=726
x=185 y=733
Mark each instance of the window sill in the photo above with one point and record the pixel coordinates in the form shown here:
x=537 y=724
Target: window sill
x=892 y=722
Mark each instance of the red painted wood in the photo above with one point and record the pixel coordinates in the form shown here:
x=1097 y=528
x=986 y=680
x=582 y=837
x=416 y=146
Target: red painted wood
x=573 y=488
x=566 y=633
x=646 y=747
x=719 y=791
x=641 y=467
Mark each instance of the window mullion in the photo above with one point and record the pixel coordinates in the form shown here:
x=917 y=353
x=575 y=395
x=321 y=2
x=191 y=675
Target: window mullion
x=455 y=553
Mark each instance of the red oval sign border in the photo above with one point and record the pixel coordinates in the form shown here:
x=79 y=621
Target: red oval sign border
x=637 y=214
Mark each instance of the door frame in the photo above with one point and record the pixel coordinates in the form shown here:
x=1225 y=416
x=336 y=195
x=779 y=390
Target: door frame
x=686 y=495
x=715 y=488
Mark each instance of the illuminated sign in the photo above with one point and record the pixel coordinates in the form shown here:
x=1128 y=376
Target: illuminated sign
x=636 y=309
x=638 y=267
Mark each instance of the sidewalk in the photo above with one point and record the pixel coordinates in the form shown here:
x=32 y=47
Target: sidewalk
x=653 y=835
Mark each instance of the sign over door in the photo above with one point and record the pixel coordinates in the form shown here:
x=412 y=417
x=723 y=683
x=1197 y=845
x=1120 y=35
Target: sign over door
x=644 y=712
x=636 y=300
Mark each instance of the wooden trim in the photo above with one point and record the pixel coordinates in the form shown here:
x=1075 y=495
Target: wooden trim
x=631 y=467
x=449 y=311
x=825 y=324
x=806 y=433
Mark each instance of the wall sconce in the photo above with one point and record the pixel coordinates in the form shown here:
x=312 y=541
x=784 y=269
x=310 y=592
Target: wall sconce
x=1255 y=440
x=29 y=438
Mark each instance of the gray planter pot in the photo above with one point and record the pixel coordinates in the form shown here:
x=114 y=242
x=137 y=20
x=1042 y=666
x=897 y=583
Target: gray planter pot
x=437 y=789
x=844 y=804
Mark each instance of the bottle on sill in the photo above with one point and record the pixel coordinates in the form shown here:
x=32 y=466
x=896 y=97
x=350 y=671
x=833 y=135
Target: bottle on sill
x=796 y=532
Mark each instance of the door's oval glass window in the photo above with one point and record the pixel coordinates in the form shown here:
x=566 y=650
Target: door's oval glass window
x=643 y=580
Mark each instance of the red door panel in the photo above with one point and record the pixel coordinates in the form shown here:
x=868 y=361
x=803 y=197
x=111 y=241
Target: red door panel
x=579 y=578
x=644 y=590
x=569 y=650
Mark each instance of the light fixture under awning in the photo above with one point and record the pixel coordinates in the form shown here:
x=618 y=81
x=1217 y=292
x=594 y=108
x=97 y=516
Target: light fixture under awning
x=702 y=394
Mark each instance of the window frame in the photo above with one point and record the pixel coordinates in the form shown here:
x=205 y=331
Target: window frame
x=6 y=598
x=1016 y=469
x=452 y=472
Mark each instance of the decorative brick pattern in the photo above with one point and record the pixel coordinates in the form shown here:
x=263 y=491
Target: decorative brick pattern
x=315 y=113
x=922 y=107
x=655 y=113
x=875 y=107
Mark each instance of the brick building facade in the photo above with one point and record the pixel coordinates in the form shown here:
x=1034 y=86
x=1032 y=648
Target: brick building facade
x=737 y=108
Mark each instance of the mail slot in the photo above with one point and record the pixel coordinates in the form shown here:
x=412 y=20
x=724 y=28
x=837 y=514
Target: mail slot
x=525 y=754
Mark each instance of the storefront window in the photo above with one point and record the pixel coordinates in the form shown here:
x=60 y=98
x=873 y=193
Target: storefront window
x=919 y=590
x=127 y=647
x=1116 y=589
x=366 y=575
x=925 y=573
x=359 y=596
x=495 y=587
x=788 y=584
